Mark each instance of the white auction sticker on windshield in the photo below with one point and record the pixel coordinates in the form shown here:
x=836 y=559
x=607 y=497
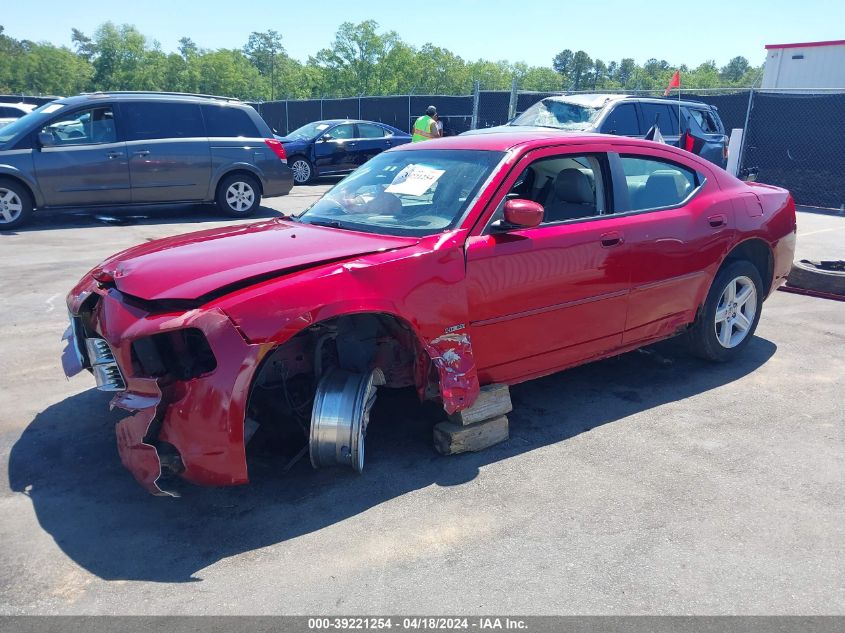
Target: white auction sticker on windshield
x=414 y=180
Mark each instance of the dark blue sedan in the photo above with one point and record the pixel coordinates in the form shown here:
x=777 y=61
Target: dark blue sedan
x=337 y=146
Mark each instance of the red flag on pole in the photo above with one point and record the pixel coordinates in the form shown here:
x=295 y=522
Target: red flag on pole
x=675 y=83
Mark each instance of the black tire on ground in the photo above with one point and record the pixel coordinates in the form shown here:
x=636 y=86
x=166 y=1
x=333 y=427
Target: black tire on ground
x=828 y=277
x=15 y=204
x=302 y=169
x=238 y=195
x=704 y=336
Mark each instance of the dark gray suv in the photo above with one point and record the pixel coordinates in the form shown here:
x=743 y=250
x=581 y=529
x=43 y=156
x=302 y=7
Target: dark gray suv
x=138 y=148
x=627 y=115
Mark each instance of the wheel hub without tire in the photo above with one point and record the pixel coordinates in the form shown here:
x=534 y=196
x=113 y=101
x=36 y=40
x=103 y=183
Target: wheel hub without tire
x=340 y=417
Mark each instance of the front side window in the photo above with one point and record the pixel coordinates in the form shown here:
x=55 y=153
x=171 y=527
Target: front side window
x=569 y=187
x=558 y=114
x=368 y=130
x=417 y=192
x=83 y=127
x=345 y=131
x=655 y=184
x=147 y=120
x=622 y=120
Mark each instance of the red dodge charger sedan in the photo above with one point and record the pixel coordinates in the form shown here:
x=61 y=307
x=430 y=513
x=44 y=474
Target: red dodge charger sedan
x=445 y=265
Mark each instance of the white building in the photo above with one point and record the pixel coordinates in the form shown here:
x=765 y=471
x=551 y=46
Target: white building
x=805 y=66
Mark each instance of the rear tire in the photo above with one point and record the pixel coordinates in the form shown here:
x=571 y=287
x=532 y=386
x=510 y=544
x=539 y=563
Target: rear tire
x=238 y=195
x=15 y=204
x=302 y=170
x=730 y=315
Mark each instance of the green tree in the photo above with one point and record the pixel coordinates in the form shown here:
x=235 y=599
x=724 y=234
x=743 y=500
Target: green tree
x=119 y=53
x=229 y=72
x=562 y=65
x=735 y=70
x=351 y=63
x=625 y=72
x=540 y=79
x=265 y=51
x=580 y=70
x=52 y=70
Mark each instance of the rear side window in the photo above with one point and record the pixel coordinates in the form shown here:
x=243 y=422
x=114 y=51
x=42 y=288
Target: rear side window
x=151 y=120
x=368 y=130
x=705 y=120
x=662 y=115
x=229 y=121
x=622 y=120
x=655 y=184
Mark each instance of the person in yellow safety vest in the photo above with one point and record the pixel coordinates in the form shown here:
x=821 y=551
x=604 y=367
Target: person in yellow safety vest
x=426 y=126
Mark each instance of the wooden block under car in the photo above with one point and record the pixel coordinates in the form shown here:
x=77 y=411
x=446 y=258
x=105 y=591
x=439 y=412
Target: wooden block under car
x=451 y=438
x=492 y=401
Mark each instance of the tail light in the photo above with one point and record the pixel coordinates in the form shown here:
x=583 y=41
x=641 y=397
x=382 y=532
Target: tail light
x=725 y=149
x=278 y=148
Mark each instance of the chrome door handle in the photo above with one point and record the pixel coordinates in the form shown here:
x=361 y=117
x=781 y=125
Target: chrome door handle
x=112 y=155
x=141 y=153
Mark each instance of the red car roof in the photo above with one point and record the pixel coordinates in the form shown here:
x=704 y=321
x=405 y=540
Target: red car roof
x=503 y=141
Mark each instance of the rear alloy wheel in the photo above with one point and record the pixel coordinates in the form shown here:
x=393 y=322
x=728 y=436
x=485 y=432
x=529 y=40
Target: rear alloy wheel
x=303 y=172
x=15 y=205
x=735 y=312
x=730 y=314
x=238 y=195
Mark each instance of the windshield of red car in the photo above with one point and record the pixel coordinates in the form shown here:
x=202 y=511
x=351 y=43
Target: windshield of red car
x=417 y=192
x=559 y=114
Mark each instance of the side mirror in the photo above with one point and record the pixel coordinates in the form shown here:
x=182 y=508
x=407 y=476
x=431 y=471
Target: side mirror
x=522 y=214
x=326 y=137
x=45 y=139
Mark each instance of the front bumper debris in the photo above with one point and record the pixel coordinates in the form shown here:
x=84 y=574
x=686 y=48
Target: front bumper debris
x=198 y=423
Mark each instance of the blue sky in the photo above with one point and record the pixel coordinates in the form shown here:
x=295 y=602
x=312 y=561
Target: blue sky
x=517 y=30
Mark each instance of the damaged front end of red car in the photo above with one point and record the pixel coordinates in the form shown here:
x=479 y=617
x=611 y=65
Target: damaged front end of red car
x=186 y=407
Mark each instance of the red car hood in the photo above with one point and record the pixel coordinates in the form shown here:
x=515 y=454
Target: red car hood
x=194 y=265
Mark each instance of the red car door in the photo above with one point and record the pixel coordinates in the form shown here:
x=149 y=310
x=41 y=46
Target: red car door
x=678 y=229
x=551 y=296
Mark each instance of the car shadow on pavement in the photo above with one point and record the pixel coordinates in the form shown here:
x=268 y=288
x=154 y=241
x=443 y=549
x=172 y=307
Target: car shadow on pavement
x=95 y=217
x=66 y=462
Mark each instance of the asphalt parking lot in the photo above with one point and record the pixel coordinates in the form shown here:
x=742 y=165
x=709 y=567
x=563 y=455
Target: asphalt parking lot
x=645 y=484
